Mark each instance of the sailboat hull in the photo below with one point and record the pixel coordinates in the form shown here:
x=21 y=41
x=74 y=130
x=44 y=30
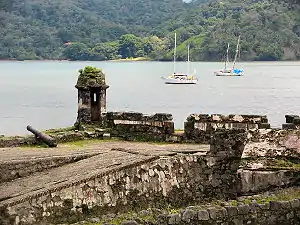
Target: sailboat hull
x=178 y=81
x=220 y=73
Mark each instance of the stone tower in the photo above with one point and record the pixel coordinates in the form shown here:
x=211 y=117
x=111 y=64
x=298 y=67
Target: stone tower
x=91 y=95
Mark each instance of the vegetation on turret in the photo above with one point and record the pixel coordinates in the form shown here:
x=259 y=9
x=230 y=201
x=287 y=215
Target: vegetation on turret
x=90 y=77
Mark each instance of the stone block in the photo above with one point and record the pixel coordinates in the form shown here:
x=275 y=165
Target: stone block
x=231 y=210
x=265 y=206
x=239 y=126
x=174 y=219
x=237 y=222
x=203 y=215
x=264 y=126
x=161 y=117
x=189 y=215
x=254 y=207
x=130 y=222
x=252 y=126
x=221 y=213
x=212 y=213
x=296 y=121
x=290 y=118
x=106 y=136
x=243 y=209
x=295 y=203
x=279 y=205
x=288 y=126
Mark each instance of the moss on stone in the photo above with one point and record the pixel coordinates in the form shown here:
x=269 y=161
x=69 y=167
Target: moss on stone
x=59 y=130
x=90 y=77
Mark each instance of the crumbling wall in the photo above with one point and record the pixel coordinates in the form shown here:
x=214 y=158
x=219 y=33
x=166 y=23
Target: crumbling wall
x=200 y=127
x=158 y=181
x=292 y=122
x=136 y=126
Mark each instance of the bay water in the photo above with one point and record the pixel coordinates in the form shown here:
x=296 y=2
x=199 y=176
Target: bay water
x=42 y=93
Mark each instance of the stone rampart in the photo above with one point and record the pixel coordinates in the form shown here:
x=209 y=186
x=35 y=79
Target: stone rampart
x=133 y=125
x=10 y=170
x=200 y=127
x=155 y=181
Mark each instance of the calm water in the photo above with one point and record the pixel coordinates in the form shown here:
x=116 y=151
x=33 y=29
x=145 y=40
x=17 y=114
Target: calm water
x=43 y=94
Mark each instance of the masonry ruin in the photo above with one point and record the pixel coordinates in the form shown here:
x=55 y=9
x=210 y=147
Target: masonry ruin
x=215 y=158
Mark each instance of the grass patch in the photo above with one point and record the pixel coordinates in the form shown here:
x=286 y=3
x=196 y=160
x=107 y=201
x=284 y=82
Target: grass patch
x=65 y=129
x=86 y=142
x=40 y=145
x=281 y=195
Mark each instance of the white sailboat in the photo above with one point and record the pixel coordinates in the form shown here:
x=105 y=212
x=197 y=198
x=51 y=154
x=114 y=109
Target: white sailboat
x=181 y=78
x=231 y=71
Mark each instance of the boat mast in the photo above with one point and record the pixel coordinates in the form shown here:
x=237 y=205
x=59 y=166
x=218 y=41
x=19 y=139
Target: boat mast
x=175 y=54
x=227 y=57
x=188 y=60
x=236 y=52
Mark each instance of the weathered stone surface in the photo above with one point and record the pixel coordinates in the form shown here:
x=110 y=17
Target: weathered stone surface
x=117 y=180
x=252 y=181
x=203 y=215
x=288 y=126
x=136 y=126
x=189 y=215
x=279 y=205
x=174 y=219
x=243 y=209
x=212 y=213
x=295 y=204
x=290 y=118
x=231 y=210
x=131 y=222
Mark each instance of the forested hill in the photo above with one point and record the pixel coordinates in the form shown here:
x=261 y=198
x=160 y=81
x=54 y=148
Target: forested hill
x=112 y=29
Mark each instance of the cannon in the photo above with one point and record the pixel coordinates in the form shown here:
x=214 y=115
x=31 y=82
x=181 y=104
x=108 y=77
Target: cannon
x=51 y=142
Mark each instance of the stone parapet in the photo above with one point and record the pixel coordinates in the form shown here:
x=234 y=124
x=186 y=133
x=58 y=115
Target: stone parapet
x=134 y=125
x=200 y=127
x=292 y=122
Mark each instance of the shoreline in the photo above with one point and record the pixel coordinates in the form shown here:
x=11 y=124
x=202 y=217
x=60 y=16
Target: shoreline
x=138 y=59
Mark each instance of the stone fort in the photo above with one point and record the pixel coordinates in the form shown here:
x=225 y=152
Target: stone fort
x=215 y=171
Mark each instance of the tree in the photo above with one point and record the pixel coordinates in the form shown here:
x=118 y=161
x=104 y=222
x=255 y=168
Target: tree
x=77 y=51
x=130 y=46
x=106 y=51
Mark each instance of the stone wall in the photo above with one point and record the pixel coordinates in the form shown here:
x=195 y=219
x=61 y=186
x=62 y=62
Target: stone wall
x=200 y=127
x=256 y=181
x=134 y=125
x=158 y=181
x=273 y=213
x=292 y=122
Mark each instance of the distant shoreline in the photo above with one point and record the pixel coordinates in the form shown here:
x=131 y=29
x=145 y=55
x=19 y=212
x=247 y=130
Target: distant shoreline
x=138 y=59
x=130 y=59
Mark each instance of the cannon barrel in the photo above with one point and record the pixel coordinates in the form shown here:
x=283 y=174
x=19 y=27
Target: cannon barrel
x=42 y=136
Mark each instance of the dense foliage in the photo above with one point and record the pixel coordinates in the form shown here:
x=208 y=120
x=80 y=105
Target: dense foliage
x=114 y=29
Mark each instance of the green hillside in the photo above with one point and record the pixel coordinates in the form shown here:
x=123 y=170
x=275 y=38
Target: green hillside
x=112 y=29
